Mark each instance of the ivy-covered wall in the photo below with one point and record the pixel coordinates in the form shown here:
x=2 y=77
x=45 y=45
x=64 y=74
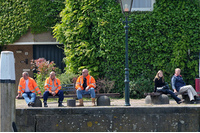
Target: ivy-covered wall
x=17 y=16
x=166 y=38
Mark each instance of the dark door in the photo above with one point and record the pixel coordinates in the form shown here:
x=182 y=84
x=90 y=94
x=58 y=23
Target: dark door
x=50 y=52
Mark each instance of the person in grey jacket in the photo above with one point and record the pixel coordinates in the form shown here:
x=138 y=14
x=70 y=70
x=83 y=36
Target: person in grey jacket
x=178 y=85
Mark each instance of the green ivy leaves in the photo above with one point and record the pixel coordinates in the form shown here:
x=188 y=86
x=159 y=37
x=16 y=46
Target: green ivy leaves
x=94 y=38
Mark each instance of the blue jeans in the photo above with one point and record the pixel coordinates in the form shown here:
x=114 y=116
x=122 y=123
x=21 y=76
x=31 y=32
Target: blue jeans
x=26 y=96
x=59 y=94
x=167 y=91
x=83 y=92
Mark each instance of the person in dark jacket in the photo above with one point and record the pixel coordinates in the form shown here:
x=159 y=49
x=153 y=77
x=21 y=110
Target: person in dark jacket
x=178 y=85
x=161 y=86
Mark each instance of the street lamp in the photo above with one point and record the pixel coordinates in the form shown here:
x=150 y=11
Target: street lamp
x=126 y=6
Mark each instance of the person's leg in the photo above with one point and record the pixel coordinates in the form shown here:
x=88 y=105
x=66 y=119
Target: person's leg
x=25 y=96
x=92 y=93
x=61 y=97
x=79 y=96
x=173 y=96
x=193 y=90
x=188 y=90
x=45 y=97
x=33 y=96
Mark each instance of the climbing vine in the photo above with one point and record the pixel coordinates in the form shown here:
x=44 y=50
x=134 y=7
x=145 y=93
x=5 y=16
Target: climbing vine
x=166 y=38
x=17 y=16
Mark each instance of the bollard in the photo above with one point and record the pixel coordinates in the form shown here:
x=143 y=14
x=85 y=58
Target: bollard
x=103 y=101
x=7 y=91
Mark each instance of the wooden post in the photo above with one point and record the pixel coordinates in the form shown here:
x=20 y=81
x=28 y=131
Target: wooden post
x=7 y=91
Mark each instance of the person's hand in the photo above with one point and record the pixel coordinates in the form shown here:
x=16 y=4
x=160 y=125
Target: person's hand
x=40 y=95
x=87 y=88
x=79 y=89
x=175 y=91
x=53 y=93
x=19 y=95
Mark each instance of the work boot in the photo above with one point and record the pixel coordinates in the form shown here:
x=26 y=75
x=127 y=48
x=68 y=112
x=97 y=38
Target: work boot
x=45 y=104
x=93 y=101
x=60 y=104
x=80 y=102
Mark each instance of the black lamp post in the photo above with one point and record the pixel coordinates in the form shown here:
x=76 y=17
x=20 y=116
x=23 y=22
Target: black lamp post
x=126 y=6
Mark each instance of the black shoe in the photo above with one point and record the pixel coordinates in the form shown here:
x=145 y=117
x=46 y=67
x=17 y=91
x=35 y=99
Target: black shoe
x=60 y=104
x=45 y=104
x=30 y=104
x=179 y=102
x=192 y=102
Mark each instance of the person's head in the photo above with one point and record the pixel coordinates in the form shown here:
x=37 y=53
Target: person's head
x=85 y=72
x=25 y=75
x=177 y=71
x=159 y=75
x=52 y=75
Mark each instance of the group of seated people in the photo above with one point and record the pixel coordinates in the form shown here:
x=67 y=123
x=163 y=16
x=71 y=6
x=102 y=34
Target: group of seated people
x=178 y=85
x=85 y=84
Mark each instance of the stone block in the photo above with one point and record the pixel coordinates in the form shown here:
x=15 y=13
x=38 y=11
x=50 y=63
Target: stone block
x=161 y=99
x=148 y=99
x=71 y=103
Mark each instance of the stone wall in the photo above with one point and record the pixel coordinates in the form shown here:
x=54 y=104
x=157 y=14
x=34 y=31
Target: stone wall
x=121 y=119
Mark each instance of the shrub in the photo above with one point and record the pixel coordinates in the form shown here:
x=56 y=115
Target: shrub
x=104 y=85
x=140 y=86
x=43 y=69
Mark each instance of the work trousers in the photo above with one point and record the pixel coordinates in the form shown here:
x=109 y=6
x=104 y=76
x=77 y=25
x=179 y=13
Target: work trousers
x=83 y=92
x=26 y=96
x=59 y=94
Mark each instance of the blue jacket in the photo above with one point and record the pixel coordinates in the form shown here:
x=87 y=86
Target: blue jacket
x=177 y=82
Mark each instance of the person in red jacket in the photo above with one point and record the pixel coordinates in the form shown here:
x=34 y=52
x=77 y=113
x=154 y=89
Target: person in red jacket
x=28 y=88
x=53 y=88
x=85 y=84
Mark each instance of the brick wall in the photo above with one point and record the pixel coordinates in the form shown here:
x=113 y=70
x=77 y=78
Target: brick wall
x=20 y=65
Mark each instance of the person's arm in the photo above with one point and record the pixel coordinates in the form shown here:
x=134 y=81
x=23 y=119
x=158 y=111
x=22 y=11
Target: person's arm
x=173 y=81
x=93 y=83
x=156 y=85
x=35 y=86
x=19 y=89
x=78 y=84
x=59 y=86
x=46 y=86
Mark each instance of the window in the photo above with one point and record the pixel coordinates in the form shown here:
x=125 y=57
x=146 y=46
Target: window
x=142 y=5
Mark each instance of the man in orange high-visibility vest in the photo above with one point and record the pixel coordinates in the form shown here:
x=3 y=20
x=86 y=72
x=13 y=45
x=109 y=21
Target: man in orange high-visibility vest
x=53 y=88
x=85 y=84
x=28 y=88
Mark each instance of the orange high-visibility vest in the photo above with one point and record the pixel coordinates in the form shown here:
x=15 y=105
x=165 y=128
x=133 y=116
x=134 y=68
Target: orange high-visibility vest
x=90 y=82
x=48 y=85
x=32 y=85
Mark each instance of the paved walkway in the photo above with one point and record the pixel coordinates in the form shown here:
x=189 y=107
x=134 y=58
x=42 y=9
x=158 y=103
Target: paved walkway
x=20 y=103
